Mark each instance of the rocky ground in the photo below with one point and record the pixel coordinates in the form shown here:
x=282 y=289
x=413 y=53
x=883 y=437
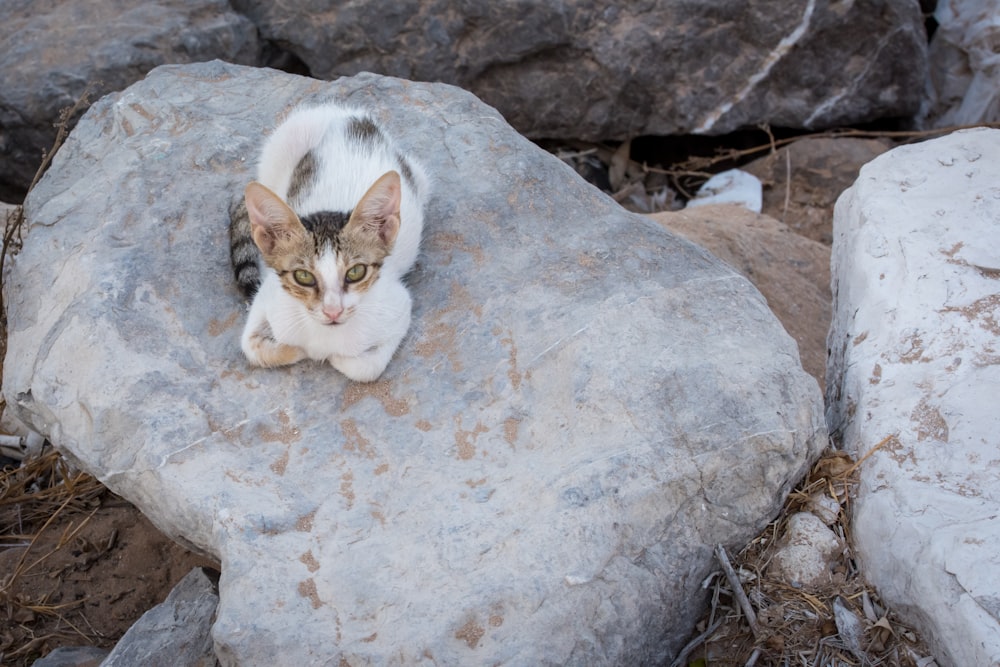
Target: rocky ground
x=81 y=565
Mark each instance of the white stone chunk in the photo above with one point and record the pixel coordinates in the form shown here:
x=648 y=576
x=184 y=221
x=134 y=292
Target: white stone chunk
x=915 y=373
x=730 y=187
x=808 y=552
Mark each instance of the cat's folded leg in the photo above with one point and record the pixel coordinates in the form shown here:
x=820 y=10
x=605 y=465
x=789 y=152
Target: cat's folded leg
x=261 y=349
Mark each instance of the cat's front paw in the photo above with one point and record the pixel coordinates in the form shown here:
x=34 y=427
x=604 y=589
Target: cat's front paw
x=261 y=349
x=365 y=368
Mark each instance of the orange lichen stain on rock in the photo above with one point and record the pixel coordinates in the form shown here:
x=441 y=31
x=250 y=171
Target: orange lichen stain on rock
x=285 y=433
x=216 y=328
x=953 y=250
x=304 y=524
x=424 y=425
x=354 y=441
x=307 y=589
x=899 y=452
x=496 y=620
x=382 y=468
x=380 y=390
x=233 y=373
x=465 y=440
x=860 y=338
x=440 y=342
x=378 y=516
x=281 y=464
x=310 y=561
x=915 y=351
x=232 y=434
x=876 y=375
x=347 y=488
x=512 y=373
x=984 y=312
x=451 y=241
x=471 y=633
x=370 y=638
x=510 y=426
x=473 y=483
x=929 y=422
x=241 y=479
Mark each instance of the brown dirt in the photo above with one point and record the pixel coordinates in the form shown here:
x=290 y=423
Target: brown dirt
x=79 y=564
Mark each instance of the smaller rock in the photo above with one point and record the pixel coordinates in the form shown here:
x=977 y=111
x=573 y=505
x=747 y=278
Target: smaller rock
x=850 y=628
x=730 y=187
x=176 y=632
x=808 y=552
x=72 y=656
x=824 y=507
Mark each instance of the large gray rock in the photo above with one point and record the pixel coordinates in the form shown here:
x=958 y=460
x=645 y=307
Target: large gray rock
x=54 y=49
x=585 y=69
x=584 y=406
x=913 y=377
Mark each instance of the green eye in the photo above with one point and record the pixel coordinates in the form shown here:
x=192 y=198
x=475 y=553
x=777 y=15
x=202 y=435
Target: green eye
x=304 y=278
x=356 y=273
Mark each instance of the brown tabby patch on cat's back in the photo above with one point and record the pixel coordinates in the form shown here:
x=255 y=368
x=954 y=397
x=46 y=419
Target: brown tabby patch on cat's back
x=302 y=177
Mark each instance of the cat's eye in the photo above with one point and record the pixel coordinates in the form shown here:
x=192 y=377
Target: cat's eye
x=356 y=273
x=304 y=278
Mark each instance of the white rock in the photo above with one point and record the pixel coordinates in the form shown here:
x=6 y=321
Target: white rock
x=808 y=552
x=915 y=370
x=730 y=187
x=824 y=506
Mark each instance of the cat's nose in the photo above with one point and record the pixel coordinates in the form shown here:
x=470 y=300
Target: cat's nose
x=332 y=313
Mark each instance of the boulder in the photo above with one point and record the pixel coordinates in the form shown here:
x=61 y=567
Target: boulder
x=913 y=379
x=55 y=50
x=791 y=271
x=584 y=407
x=585 y=70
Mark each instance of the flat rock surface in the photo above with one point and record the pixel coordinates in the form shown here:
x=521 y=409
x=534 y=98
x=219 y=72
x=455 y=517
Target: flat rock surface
x=913 y=375
x=585 y=404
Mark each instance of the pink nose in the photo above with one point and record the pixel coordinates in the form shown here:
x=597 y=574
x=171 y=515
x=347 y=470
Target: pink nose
x=332 y=313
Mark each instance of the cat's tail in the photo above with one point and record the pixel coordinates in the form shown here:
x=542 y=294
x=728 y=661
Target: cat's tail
x=243 y=252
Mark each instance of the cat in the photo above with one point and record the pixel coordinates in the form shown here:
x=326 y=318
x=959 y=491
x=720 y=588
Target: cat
x=322 y=240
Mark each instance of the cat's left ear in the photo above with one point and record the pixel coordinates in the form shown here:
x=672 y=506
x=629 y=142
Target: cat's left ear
x=378 y=210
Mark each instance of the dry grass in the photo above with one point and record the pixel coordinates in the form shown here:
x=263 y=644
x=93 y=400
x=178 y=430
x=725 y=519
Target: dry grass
x=646 y=188
x=34 y=498
x=841 y=624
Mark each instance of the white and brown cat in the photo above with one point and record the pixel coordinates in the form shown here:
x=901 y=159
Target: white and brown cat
x=323 y=240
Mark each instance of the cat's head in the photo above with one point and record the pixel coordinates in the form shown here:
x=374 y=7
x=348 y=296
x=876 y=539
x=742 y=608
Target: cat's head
x=327 y=260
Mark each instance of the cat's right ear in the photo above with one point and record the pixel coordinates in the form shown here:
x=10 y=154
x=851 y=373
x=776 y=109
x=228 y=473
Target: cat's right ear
x=273 y=224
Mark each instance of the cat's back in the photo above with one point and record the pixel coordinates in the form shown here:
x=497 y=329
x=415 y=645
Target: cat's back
x=324 y=158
